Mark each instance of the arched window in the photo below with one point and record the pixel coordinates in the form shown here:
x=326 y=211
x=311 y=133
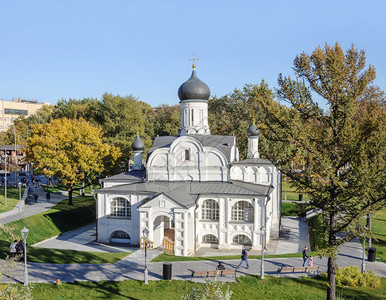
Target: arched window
x=242 y=239
x=210 y=239
x=121 y=207
x=187 y=154
x=210 y=210
x=243 y=211
x=120 y=235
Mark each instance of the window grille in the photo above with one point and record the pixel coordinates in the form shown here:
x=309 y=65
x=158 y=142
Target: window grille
x=210 y=239
x=121 y=207
x=242 y=240
x=210 y=210
x=242 y=211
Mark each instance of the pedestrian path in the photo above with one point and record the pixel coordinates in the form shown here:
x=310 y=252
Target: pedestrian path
x=132 y=267
x=31 y=209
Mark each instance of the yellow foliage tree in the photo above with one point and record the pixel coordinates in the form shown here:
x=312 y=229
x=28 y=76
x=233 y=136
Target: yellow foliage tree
x=70 y=150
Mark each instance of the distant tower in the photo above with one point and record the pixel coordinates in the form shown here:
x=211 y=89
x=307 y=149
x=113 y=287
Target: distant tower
x=138 y=148
x=194 y=95
x=253 y=141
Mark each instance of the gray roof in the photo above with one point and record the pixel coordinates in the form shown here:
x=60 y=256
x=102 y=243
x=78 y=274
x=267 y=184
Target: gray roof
x=133 y=175
x=222 y=142
x=186 y=193
x=253 y=161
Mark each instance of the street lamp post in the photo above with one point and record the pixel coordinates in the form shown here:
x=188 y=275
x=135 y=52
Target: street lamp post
x=262 y=252
x=5 y=177
x=363 y=265
x=19 y=184
x=24 y=234
x=145 y=273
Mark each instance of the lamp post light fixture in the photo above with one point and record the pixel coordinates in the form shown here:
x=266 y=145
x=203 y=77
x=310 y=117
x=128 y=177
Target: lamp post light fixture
x=24 y=234
x=145 y=233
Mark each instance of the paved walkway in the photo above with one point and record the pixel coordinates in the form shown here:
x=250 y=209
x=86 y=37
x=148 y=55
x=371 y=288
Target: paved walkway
x=32 y=208
x=293 y=238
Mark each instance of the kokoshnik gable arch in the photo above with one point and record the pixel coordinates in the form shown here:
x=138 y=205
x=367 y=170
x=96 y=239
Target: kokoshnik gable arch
x=193 y=189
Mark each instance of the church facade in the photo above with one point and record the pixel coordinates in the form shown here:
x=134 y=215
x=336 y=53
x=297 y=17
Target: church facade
x=193 y=190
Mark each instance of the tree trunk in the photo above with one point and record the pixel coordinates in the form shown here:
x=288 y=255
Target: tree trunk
x=70 y=196
x=331 y=290
x=82 y=189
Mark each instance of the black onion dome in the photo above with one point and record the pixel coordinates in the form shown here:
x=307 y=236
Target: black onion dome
x=194 y=88
x=138 y=145
x=253 y=131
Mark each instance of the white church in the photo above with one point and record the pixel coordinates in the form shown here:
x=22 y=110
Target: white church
x=193 y=190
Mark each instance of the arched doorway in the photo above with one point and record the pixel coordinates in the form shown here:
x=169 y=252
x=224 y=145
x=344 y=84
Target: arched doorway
x=163 y=227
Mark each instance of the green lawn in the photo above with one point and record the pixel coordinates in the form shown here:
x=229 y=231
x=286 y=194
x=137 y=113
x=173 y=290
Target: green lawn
x=379 y=234
x=12 y=198
x=289 y=209
x=61 y=218
x=248 y=287
x=292 y=194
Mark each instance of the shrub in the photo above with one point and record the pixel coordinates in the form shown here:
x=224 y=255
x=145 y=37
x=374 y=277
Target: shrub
x=213 y=289
x=351 y=276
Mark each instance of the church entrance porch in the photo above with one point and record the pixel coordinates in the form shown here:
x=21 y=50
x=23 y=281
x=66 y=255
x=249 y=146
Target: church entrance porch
x=163 y=228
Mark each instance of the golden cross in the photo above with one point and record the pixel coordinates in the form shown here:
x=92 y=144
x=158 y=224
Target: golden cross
x=253 y=117
x=194 y=59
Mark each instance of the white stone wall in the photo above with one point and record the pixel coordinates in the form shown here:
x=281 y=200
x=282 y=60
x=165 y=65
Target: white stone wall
x=107 y=224
x=204 y=163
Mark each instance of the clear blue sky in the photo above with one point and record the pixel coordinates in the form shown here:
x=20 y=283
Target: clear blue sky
x=84 y=48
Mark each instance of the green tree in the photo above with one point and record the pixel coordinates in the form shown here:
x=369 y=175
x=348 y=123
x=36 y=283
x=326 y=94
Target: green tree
x=343 y=149
x=71 y=151
x=232 y=114
x=166 y=120
x=121 y=119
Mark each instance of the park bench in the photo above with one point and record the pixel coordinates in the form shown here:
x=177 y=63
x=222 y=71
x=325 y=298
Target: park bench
x=213 y=273
x=312 y=269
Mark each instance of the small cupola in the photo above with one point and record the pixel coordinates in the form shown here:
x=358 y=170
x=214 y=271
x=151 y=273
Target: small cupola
x=138 y=145
x=253 y=141
x=138 y=149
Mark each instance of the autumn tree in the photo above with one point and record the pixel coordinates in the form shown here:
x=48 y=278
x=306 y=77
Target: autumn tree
x=71 y=151
x=343 y=149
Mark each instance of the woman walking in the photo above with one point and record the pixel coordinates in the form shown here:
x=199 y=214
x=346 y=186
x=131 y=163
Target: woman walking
x=244 y=257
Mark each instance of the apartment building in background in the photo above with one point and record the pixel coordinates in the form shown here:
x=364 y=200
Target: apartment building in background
x=11 y=110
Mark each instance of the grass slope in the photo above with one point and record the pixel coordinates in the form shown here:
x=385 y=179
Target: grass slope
x=12 y=198
x=248 y=287
x=61 y=218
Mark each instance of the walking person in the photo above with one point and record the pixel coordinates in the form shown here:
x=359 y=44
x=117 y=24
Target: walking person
x=12 y=248
x=305 y=256
x=310 y=261
x=244 y=257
